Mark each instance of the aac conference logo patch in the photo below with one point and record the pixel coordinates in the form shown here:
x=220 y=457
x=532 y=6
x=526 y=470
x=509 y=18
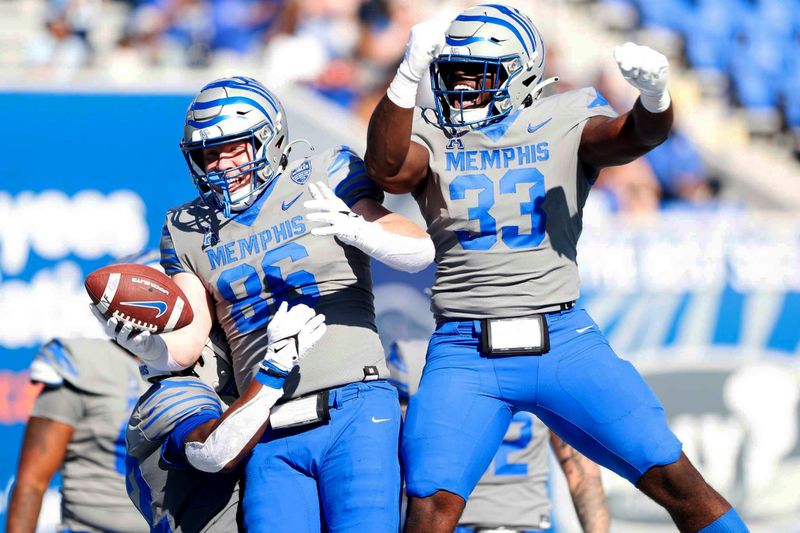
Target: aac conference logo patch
x=300 y=174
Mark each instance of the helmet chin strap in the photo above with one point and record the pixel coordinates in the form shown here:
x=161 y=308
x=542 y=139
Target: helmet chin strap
x=539 y=87
x=244 y=197
x=288 y=149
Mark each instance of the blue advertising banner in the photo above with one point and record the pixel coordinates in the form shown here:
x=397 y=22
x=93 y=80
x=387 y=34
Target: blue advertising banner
x=85 y=179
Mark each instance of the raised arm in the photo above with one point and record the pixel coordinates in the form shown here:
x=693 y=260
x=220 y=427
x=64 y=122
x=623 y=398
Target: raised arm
x=585 y=486
x=393 y=161
x=616 y=141
x=396 y=163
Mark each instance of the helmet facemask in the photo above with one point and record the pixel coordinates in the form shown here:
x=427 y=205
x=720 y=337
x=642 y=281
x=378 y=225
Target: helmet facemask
x=504 y=46
x=472 y=91
x=217 y=189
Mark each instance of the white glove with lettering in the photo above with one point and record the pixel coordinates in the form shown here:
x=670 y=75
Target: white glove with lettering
x=149 y=347
x=425 y=41
x=647 y=70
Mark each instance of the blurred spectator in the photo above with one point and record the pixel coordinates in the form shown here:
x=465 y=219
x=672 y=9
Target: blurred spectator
x=631 y=188
x=317 y=46
x=65 y=39
x=679 y=170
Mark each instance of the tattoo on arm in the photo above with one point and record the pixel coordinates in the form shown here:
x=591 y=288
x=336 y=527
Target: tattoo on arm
x=585 y=486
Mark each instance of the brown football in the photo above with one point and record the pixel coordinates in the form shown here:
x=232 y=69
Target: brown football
x=141 y=295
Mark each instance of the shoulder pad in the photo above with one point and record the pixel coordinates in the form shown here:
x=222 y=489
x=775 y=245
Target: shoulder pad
x=586 y=98
x=347 y=176
x=169 y=402
x=96 y=366
x=54 y=364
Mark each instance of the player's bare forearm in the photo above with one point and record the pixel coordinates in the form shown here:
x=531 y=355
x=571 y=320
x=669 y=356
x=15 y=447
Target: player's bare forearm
x=585 y=487
x=43 y=448
x=395 y=163
x=24 y=507
x=608 y=142
x=186 y=344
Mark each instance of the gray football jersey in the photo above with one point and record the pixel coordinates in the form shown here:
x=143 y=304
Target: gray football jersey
x=169 y=493
x=267 y=254
x=92 y=385
x=513 y=490
x=504 y=206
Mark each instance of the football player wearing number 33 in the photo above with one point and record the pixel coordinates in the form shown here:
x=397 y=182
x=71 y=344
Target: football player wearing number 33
x=501 y=176
x=265 y=230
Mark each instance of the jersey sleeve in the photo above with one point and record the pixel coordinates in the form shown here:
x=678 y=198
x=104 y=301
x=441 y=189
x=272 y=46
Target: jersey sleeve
x=172 y=402
x=172 y=451
x=347 y=176
x=421 y=131
x=53 y=364
x=61 y=403
x=169 y=256
x=582 y=104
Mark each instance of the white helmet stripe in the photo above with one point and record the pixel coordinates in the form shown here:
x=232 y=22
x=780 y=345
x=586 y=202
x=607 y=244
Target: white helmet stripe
x=243 y=84
x=495 y=20
x=230 y=100
x=517 y=17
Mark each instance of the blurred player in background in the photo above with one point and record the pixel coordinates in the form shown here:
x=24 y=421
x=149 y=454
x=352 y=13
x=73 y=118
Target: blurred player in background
x=182 y=448
x=501 y=177
x=245 y=246
x=78 y=426
x=512 y=495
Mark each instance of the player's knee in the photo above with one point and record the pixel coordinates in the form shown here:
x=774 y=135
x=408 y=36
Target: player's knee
x=439 y=504
x=674 y=483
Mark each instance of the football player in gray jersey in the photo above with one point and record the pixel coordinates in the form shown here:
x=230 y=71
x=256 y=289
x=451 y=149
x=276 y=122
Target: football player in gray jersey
x=512 y=495
x=501 y=176
x=182 y=447
x=78 y=426
x=266 y=230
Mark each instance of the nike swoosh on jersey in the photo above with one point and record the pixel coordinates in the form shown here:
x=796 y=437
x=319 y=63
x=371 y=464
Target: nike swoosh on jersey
x=377 y=420
x=533 y=129
x=583 y=330
x=287 y=205
x=161 y=307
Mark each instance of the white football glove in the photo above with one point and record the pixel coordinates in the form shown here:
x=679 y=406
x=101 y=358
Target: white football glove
x=328 y=208
x=647 y=70
x=401 y=252
x=290 y=335
x=424 y=43
x=149 y=347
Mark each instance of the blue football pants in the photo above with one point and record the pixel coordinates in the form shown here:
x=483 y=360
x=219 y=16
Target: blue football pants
x=341 y=476
x=595 y=401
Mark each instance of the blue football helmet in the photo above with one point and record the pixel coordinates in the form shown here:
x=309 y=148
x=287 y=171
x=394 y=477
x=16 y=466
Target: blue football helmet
x=229 y=110
x=501 y=51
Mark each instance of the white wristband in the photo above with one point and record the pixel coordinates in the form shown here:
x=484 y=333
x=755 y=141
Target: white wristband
x=233 y=434
x=403 y=90
x=657 y=103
